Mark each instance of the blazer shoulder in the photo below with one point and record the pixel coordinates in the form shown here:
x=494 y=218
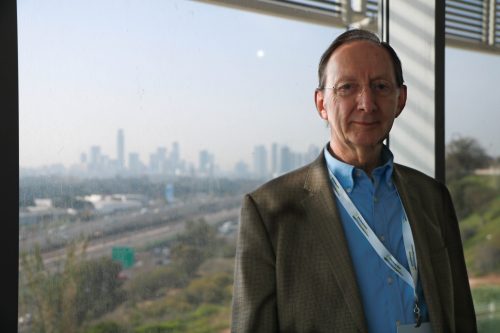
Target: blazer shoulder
x=289 y=187
x=416 y=176
x=421 y=184
x=290 y=182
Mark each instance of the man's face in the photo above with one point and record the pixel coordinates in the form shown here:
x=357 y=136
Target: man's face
x=366 y=99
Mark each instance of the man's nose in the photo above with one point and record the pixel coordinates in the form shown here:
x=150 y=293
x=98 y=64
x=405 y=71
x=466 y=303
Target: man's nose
x=366 y=99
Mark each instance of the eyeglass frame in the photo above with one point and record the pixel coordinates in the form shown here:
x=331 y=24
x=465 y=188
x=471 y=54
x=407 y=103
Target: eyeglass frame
x=356 y=92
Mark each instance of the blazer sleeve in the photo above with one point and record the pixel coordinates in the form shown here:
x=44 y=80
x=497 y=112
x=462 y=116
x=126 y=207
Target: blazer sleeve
x=464 y=314
x=254 y=295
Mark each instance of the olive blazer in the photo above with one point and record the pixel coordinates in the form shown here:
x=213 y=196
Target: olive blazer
x=294 y=272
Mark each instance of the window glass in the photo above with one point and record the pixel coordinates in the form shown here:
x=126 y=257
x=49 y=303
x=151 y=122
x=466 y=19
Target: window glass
x=141 y=126
x=143 y=123
x=473 y=172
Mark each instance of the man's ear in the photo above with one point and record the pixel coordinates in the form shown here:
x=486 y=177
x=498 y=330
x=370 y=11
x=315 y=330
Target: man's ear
x=401 y=99
x=319 y=100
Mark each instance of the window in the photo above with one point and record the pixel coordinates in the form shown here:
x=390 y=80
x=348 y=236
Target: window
x=141 y=126
x=473 y=172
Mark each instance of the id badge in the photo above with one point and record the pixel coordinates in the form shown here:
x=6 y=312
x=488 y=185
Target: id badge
x=410 y=328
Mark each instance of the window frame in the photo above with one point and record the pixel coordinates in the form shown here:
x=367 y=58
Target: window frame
x=9 y=138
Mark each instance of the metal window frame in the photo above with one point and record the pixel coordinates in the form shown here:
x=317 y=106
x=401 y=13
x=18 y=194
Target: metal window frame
x=9 y=138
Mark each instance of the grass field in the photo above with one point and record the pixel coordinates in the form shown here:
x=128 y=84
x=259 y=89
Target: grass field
x=487 y=305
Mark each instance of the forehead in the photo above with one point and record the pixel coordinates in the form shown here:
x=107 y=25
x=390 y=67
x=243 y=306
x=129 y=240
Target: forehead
x=360 y=59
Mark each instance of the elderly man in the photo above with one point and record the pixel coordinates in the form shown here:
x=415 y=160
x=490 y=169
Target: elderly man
x=352 y=242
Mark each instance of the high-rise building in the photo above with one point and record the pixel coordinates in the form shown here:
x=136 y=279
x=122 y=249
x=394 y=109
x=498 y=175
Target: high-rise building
x=154 y=164
x=287 y=159
x=161 y=154
x=158 y=160
x=260 y=161
x=175 y=157
x=120 y=149
x=95 y=157
x=206 y=163
x=134 y=163
x=274 y=160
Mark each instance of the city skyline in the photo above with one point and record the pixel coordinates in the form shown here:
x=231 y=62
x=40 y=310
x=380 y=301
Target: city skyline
x=168 y=160
x=172 y=71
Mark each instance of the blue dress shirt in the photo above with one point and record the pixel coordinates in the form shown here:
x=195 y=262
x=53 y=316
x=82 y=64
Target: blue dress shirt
x=387 y=299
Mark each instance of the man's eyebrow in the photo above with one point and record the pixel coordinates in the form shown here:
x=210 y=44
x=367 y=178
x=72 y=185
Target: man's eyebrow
x=381 y=77
x=345 y=78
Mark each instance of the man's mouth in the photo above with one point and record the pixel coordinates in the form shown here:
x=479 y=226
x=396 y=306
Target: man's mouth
x=365 y=123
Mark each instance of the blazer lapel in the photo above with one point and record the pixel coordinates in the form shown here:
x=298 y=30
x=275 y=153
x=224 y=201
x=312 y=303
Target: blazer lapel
x=416 y=214
x=330 y=233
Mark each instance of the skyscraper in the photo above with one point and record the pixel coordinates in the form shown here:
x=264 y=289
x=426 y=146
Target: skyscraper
x=206 y=159
x=120 y=149
x=274 y=159
x=95 y=156
x=287 y=160
x=95 y=162
x=175 y=158
x=260 y=161
x=158 y=161
x=135 y=164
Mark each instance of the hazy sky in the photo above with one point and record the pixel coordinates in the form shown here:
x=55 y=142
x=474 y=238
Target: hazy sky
x=206 y=76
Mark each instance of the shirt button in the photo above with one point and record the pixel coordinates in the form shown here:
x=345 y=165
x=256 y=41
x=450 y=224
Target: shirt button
x=389 y=280
x=375 y=199
x=348 y=189
x=382 y=238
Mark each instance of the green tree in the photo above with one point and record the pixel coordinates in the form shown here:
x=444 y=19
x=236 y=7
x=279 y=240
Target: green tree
x=463 y=156
x=470 y=195
x=147 y=284
x=61 y=301
x=98 y=289
x=187 y=252
x=48 y=297
x=212 y=289
x=197 y=243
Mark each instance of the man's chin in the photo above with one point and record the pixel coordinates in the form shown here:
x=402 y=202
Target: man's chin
x=366 y=142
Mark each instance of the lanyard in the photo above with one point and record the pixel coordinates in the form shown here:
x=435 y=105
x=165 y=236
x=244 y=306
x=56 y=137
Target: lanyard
x=411 y=278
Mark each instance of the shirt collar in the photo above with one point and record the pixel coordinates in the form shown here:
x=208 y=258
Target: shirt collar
x=345 y=173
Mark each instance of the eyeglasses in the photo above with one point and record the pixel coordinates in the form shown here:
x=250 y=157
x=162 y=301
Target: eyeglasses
x=379 y=88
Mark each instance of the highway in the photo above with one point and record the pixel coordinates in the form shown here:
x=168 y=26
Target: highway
x=134 y=228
